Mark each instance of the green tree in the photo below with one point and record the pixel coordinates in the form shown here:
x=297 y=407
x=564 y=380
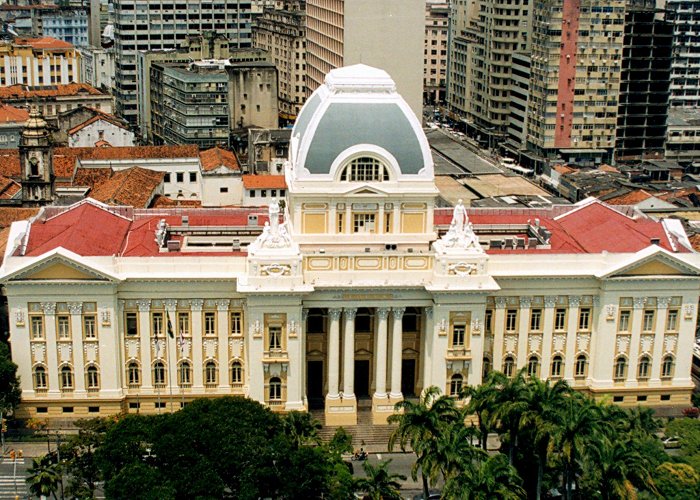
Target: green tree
x=44 y=476
x=619 y=468
x=688 y=432
x=510 y=403
x=485 y=480
x=379 y=483
x=10 y=392
x=420 y=425
x=482 y=404
x=677 y=481
x=580 y=425
x=301 y=428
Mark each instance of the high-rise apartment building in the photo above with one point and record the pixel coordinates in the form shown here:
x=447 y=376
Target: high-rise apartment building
x=281 y=31
x=162 y=24
x=38 y=62
x=685 y=77
x=437 y=23
x=644 y=83
x=575 y=79
x=493 y=31
x=461 y=38
x=388 y=34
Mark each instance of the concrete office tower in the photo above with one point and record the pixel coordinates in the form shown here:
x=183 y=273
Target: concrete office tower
x=156 y=25
x=493 y=31
x=644 y=83
x=460 y=57
x=437 y=22
x=94 y=32
x=388 y=34
x=575 y=79
x=685 y=77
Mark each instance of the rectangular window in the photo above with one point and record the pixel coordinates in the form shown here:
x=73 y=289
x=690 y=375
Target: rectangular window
x=252 y=193
x=209 y=323
x=511 y=320
x=536 y=320
x=624 y=323
x=132 y=324
x=275 y=334
x=672 y=320
x=193 y=176
x=180 y=176
x=488 y=322
x=93 y=409
x=263 y=193
x=560 y=319
x=183 y=323
x=363 y=223
x=223 y=190
x=236 y=324
x=458 y=331
x=584 y=318
x=90 y=326
x=167 y=177
x=63 y=327
x=387 y=223
x=37 y=326
x=339 y=225
x=157 y=324
x=648 y=323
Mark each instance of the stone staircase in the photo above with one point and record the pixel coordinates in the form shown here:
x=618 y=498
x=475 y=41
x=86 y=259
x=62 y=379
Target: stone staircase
x=373 y=438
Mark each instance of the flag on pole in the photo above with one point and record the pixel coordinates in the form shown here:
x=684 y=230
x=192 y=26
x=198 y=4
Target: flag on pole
x=170 y=327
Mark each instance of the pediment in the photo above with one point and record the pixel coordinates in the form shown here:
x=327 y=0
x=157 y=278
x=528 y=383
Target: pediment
x=366 y=191
x=56 y=266
x=658 y=263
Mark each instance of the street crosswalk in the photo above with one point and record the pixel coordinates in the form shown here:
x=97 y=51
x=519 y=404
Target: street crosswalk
x=11 y=487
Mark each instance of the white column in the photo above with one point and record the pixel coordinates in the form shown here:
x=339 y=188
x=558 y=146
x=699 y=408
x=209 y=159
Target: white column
x=662 y=304
x=303 y=361
x=396 y=351
x=349 y=353
x=571 y=336
x=144 y=306
x=52 y=355
x=223 y=333
x=428 y=334
x=333 y=353
x=196 y=352
x=296 y=360
x=499 y=324
x=76 y=325
x=380 y=361
x=547 y=331
x=637 y=320
x=523 y=332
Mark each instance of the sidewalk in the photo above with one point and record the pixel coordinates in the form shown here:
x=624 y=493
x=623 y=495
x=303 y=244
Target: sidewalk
x=30 y=449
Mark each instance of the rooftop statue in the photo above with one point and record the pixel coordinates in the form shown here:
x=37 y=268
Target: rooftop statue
x=274 y=235
x=461 y=233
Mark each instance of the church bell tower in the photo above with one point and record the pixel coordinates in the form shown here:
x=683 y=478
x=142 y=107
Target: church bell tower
x=36 y=161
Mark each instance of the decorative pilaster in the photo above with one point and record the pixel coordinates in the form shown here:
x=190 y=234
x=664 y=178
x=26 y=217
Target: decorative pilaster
x=349 y=354
x=76 y=322
x=637 y=321
x=523 y=330
x=334 y=353
x=380 y=360
x=571 y=336
x=499 y=324
x=662 y=304
x=428 y=333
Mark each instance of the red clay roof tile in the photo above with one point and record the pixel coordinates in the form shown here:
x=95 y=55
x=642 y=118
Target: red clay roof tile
x=216 y=157
x=264 y=182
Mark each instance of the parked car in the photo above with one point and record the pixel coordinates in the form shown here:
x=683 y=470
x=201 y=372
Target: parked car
x=671 y=442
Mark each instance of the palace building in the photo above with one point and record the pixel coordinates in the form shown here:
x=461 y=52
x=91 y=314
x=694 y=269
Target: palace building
x=353 y=291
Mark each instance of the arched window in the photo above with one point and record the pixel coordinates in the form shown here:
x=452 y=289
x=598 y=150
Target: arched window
x=40 y=378
x=508 y=366
x=643 y=369
x=184 y=374
x=556 y=366
x=210 y=373
x=236 y=373
x=486 y=368
x=133 y=374
x=667 y=367
x=581 y=365
x=456 y=384
x=620 y=368
x=66 y=378
x=533 y=366
x=275 y=389
x=93 y=377
x=158 y=373
x=365 y=169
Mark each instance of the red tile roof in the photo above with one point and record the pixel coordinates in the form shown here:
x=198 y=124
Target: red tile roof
x=70 y=89
x=45 y=42
x=161 y=201
x=631 y=198
x=264 y=182
x=10 y=114
x=216 y=157
x=9 y=163
x=64 y=166
x=130 y=152
x=8 y=215
x=91 y=177
x=85 y=230
x=133 y=187
x=100 y=116
x=8 y=188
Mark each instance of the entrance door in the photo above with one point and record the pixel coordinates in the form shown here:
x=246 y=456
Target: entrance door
x=314 y=384
x=362 y=378
x=408 y=377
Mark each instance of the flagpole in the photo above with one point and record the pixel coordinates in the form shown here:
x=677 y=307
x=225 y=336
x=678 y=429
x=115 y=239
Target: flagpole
x=170 y=375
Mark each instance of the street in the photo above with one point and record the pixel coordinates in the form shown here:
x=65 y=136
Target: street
x=12 y=474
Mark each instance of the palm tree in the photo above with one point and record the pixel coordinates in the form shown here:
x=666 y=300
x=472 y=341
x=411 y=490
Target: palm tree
x=619 y=465
x=580 y=425
x=44 y=477
x=421 y=425
x=542 y=419
x=510 y=402
x=453 y=450
x=301 y=428
x=379 y=484
x=485 y=480
x=481 y=403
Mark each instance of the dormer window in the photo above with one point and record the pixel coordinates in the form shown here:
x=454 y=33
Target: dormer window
x=365 y=169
